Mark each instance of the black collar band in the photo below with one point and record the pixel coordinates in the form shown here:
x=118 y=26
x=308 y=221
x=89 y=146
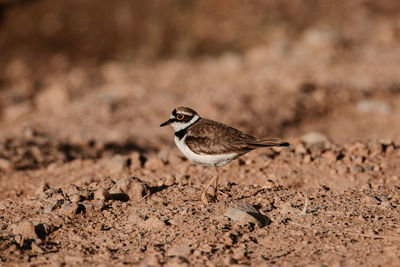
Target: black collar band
x=181 y=133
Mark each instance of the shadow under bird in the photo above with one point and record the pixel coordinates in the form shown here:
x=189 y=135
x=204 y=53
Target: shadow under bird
x=212 y=143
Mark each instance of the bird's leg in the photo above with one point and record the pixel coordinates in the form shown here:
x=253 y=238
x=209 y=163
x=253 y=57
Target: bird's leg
x=216 y=181
x=216 y=178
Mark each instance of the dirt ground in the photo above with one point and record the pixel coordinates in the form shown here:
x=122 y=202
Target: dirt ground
x=87 y=176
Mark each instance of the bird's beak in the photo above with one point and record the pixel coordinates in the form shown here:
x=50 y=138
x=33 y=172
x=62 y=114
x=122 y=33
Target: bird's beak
x=166 y=123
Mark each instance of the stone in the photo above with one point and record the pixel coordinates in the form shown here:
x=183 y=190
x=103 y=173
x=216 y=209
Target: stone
x=152 y=223
x=70 y=189
x=386 y=141
x=107 y=183
x=135 y=161
x=53 y=99
x=207 y=248
x=176 y=262
x=368 y=167
x=135 y=188
x=154 y=162
x=75 y=198
x=330 y=156
x=155 y=223
x=358 y=168
x=357 y=148
x=229 y=261
x=171 y=180
x=358 y=159
x=342 y=169
x=238 y=253
x=14 y=112
x=151 y=260
x=25 y=229
x=175 y=158
x=36 y=249
x=314 y=137
x=73 y=260
x=69 y=208
x=53 y=206
x=385 y=203
x=307 y=159
x=124 y=184
x=179 y=250
x=42 y=188
x=92 y=207
x=5 y=165
x=102 y=194
x=85 y=194
x=117 y=164
x=287 y=208
x=163 y=154
x=300 y=149
x=269 y=184
x=244 y=213
x=376 y=149
x=376 y=168
x=374 y=106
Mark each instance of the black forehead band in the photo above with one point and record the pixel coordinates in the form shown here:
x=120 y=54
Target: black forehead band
x=174 y=113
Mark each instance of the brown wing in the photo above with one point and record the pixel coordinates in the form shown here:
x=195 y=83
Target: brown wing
x=268 y=142
x=211 y=137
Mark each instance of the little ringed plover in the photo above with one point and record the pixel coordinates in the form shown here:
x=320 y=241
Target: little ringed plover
x=212 y=143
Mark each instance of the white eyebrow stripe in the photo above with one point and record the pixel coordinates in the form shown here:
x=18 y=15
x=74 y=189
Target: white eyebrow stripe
x=185 y=113
x=194 y=119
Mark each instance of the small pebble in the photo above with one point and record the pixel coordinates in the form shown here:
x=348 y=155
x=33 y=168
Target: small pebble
x=69 y=208
x=314 y=137
x=117 y=164
x=42 y=188
x=171 y=180
x=25 y=229
x=135 y=161
x=102 y=194
x=376 y=106
x=179 y=250
x=5 y=164
x=287 y=208
x=342 y=169
x=75 y=198
x=300 y=149
x=358 y=168
x=53 y=206
x=244 y=212
x=3 y=206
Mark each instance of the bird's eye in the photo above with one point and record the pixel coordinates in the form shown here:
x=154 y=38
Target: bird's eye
x=180 y=117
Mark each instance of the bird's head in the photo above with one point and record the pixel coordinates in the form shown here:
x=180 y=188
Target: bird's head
x=181 y=118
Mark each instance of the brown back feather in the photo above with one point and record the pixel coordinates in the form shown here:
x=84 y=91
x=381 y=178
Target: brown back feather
x=211 y=137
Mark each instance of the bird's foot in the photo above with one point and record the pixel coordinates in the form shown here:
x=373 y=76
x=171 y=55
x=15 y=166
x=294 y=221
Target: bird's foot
x=212 y=195
x=208 y=198
x=209 y=195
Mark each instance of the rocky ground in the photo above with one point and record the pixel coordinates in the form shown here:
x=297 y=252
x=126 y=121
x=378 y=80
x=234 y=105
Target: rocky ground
x=87 y=177
x=306 y=204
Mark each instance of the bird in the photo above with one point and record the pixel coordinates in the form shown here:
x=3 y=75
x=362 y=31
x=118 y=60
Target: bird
x=212 y=143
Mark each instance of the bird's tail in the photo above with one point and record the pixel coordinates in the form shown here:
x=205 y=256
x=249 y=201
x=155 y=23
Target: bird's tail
x=269 y=142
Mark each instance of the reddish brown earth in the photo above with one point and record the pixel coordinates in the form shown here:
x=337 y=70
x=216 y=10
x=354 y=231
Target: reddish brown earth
x=87 y=176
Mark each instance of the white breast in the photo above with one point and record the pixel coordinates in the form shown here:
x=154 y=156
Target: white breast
x=212 y=160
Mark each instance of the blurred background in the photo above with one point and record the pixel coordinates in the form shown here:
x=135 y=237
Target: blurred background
x=111 y=71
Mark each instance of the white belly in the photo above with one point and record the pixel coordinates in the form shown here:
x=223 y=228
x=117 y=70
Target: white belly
x=212 y=160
